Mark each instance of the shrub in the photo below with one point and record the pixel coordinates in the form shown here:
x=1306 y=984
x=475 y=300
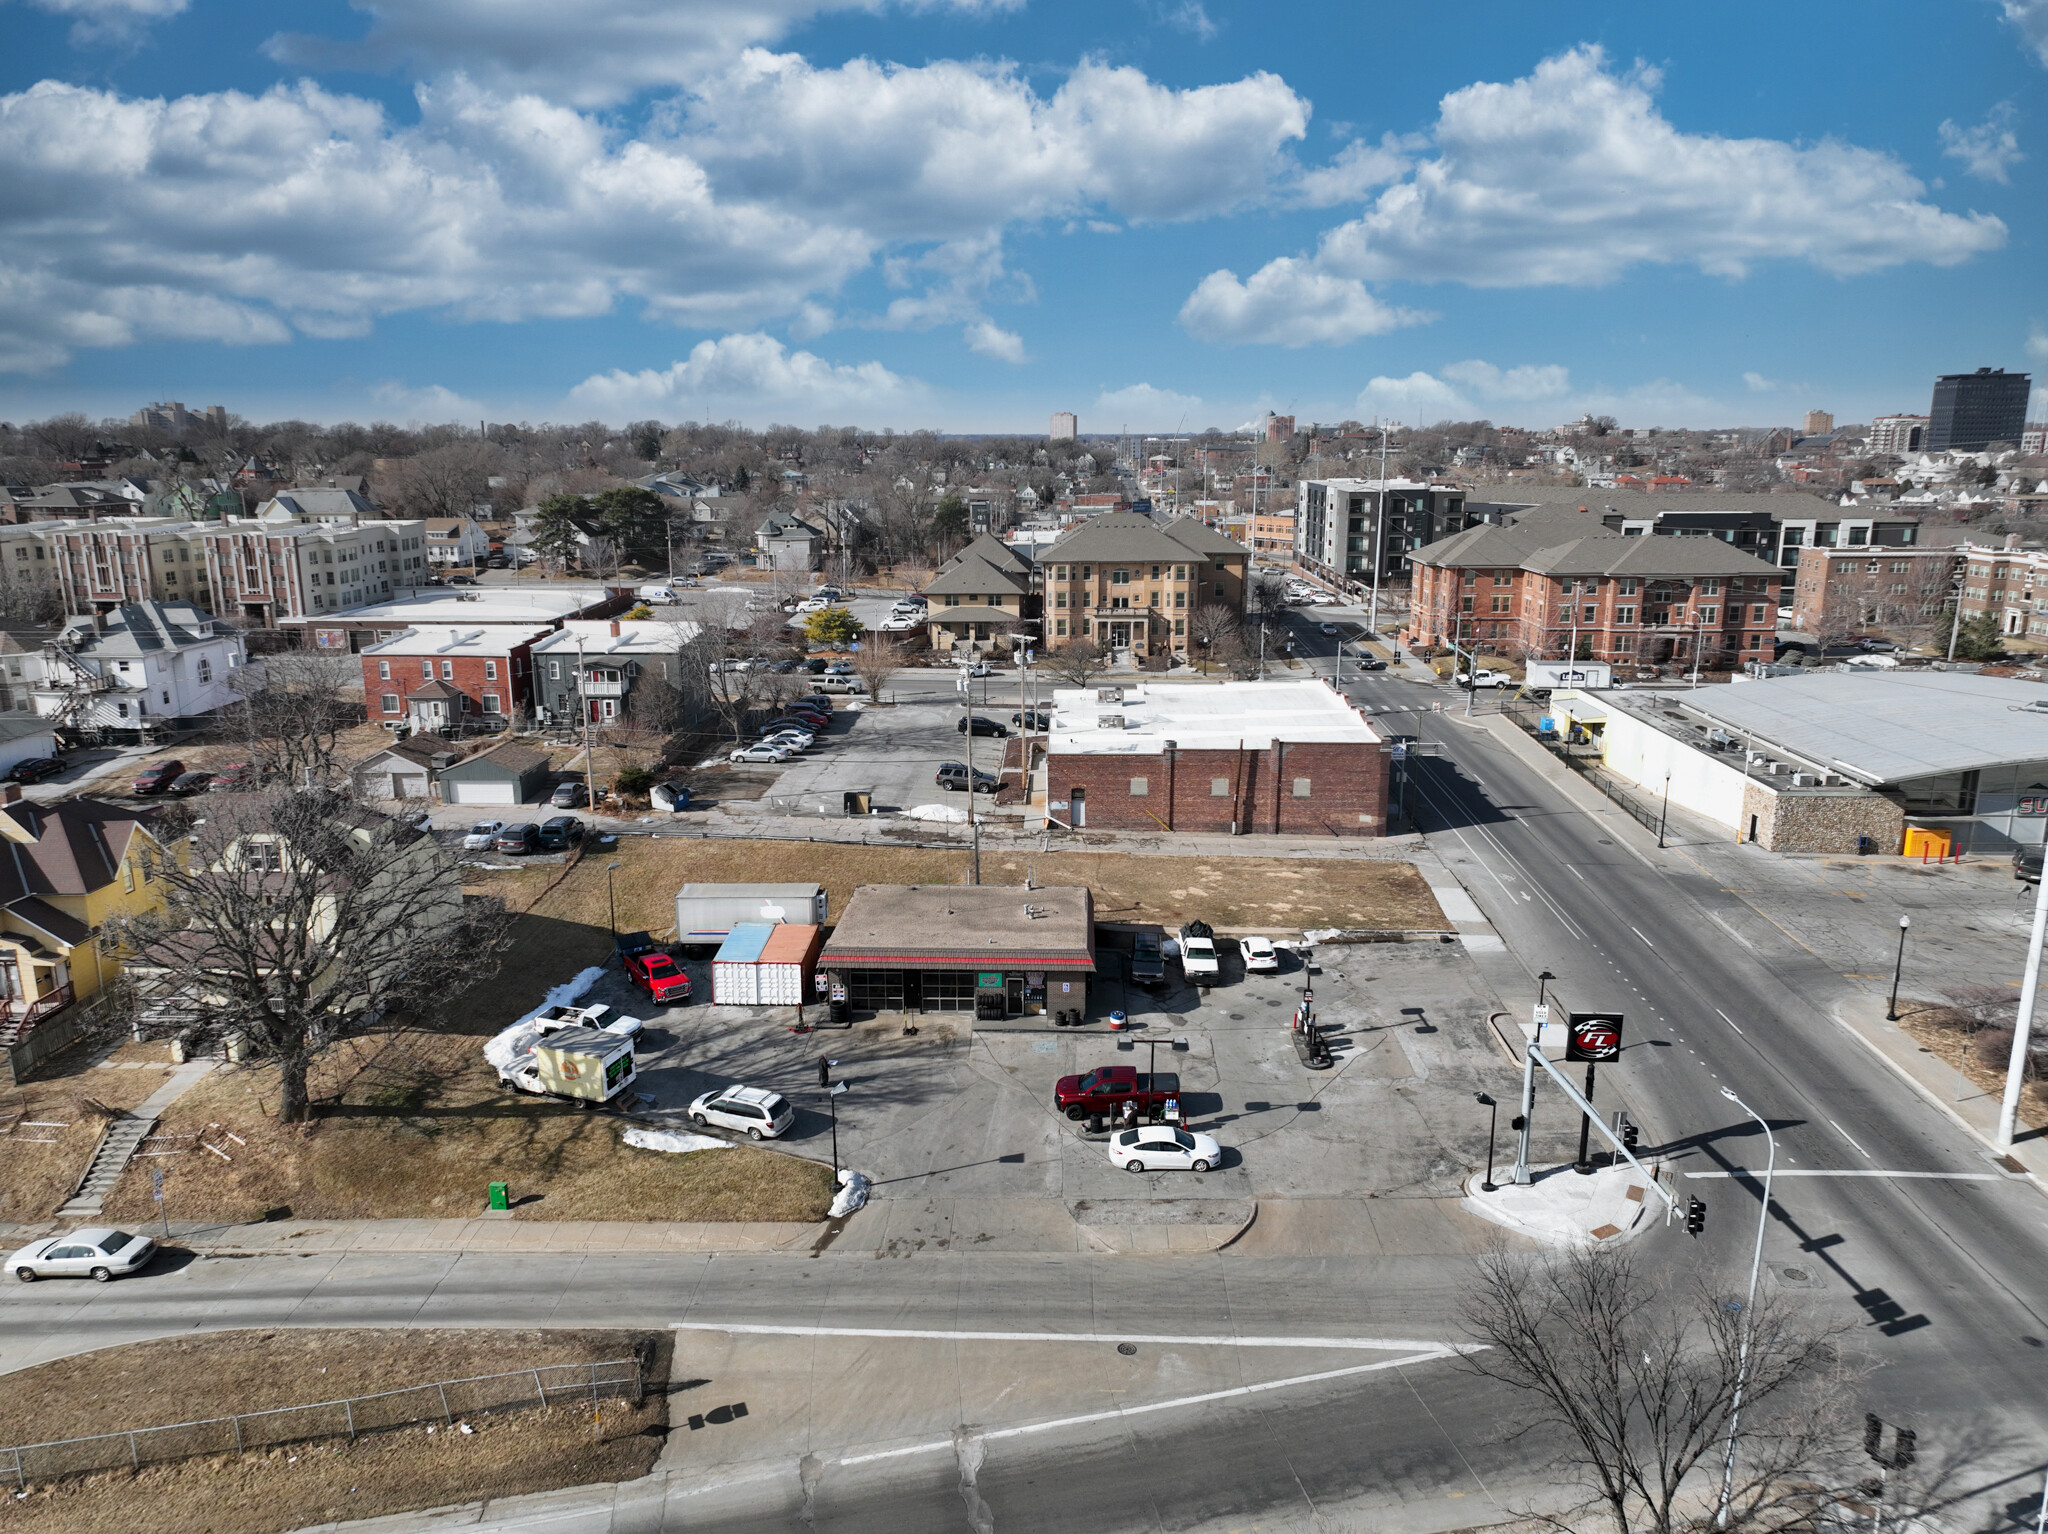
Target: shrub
x=633 y=780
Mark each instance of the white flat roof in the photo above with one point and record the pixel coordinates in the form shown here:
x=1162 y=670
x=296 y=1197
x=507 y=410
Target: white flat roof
x=596 y=637
x=1203 y=716
x=485 y=605
x=457 y=639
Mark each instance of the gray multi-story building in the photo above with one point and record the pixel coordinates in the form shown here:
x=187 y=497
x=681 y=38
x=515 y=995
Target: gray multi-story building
x=1973 y=410
x=620 y=671
x=1336 y=531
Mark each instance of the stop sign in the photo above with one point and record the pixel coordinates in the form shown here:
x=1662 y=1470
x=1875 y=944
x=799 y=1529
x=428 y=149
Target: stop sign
x=1594 y=1037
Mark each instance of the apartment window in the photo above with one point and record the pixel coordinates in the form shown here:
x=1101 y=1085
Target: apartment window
x=952 y=601
x=1756 y=613
x=1628 y=586
x=1624 y=615
x=1898 y=567
x=1155 y=572
x=1465 y=604
x=1503 y=578
x=383 y=670
x=1625 y=644
x=390 y=702
x=1301 y=788
x=1588 y=613
x=1500 y=605
x=491 y=672
x=1180 y=599
x=1059 y=626
x=1858 y=537
x=1709 y=614
x=1711 y=586
x=426 y=671
x=206 y=666
x=447 y=670
x=1180 y=572
x=1060 y=600
x=1085 y=569
x=1140 y=788
x=554 y=671
x=1898 y=588
x=1471 y=577
x=1219 y=788
x=491 y=703
x=1059 y=572
x=1180 y=625
x=1119 y=577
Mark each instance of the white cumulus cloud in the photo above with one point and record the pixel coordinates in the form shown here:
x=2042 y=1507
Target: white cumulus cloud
x=430 y=402
x=1527 y=382
x=1987 y=151
x=752 y=377
x=110 y=21
x=1287 y=302
x=987 y=339
x=1756 y=383
x=2030 y=19
x=1420 y=399
x=1142 y=407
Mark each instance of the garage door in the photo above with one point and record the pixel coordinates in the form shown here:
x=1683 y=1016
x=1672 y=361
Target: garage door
x=485 y=793
x=409 y=786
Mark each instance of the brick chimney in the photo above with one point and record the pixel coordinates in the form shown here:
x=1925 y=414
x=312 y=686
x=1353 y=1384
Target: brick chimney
x=615 y=628
x=10 y=793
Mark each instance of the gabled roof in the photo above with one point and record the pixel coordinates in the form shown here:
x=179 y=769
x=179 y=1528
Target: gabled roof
x=1124 y=535
x=71 y=848
x=1646 y=556
x=509 y=755
x=435 y=692
x=141 y=628
x=992 y=549
x=405 y=750
x=1200 y=537
x=974 y=577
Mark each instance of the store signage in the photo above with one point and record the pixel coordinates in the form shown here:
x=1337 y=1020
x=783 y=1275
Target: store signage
x=1595 y=1037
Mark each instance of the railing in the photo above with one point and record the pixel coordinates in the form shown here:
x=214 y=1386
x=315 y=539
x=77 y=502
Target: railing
x=28 y=1013
x=351 y=1417
x=598 y=687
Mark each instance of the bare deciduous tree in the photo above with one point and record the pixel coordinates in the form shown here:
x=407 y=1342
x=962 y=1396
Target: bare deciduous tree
x=1211 y=624
x=878 y=660
x=445 y=481
x=601 y=557
x=293 y=919
x=1077 y=662
x=291 y=713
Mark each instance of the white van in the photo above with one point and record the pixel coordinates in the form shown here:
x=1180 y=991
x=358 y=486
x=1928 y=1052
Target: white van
x=665 y=595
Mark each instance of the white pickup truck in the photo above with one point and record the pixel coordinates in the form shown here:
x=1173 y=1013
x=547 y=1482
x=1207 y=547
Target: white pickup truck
x=556 y=1018
x=1198 y=954
x=1483 y=678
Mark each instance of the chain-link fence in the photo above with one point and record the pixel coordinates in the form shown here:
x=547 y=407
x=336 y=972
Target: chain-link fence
x=350 y=1417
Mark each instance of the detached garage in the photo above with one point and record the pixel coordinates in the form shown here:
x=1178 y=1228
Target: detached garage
x=401 y=770
x=504 y=774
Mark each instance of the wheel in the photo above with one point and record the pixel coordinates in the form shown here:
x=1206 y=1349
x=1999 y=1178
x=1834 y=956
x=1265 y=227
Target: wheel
x=589 y=1106
x=1134 y=1166
x=753 y=1134
x=26 y=1275
x=1201 y=1166
x=1077 y=1114
x=103 y=1275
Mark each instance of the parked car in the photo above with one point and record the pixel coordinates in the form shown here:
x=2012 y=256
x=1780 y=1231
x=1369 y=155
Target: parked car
x=35 y=769
x=157 y=777
x=846 y=684
x=2026 y=864
x=1483 y=678
x=830 y=593
x=754 y=1111
x=1032 y=719
x=815 y=665
x=953 y=777
x=97 y=1252
x=976 y=668
x=899 y=623
x=789 y=729
x=795 y=742
x=569 y=796
x=569 y=1015
x=790 y=722
x=1148 y=957
x=1259 y=954
x=1107 y=1088
x=462 y=580
x=1162 y=1148
x=980 y=726
x=809 y=708
x=669 y=796
x=497 y=562
x=482 y=836
x=233 y=778
x=521 y=836
x=190 y=783
x=813 y=604
x=760 y=751
x=1198 y=960
x=657 y=973
x=560 y=833
x=840 y=668
x=434 y=580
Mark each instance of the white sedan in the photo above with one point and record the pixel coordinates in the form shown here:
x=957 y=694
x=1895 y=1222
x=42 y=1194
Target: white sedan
x=96 y=1252
x=1259 y=954
x=762 y=752
x=899 y=623
x=479 y=837
x=795 y=742
x=1162 y=1148
x=978 y=668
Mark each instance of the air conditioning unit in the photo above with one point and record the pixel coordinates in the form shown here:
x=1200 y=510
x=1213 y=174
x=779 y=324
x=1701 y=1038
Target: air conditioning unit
x=1804 y=780
x=1109 y=721
x=1109 y=695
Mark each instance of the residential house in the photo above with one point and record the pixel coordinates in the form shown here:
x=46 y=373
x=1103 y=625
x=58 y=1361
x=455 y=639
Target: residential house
x=73 y=865
x=2009 y=584
x=1839 y=590
x=788 y=542
x=435 y=678
x=137 y=666
x=456 y=542
x=1130 y=583
x=980 y=597
x=637 y=671
x=327 y=505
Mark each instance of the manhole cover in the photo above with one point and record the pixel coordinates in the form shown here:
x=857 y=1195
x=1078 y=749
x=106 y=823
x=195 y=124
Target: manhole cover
x=1799 y=1276
x=1235 y=1017
x=1128 y=1349
x=1605 y=842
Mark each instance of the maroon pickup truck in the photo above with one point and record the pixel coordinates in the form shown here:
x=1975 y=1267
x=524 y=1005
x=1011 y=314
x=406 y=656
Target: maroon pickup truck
x=1107 y=1088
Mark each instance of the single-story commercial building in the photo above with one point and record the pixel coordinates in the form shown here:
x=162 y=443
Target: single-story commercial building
x=994 y=950
x=507 y=773
x=1838 y=762
x=1290 y=758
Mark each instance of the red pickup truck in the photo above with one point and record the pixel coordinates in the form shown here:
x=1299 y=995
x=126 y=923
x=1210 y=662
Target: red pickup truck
x=657 y=974
x=1107 y=1088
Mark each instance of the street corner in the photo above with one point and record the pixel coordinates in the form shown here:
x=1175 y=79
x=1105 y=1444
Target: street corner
x=1563 y=1208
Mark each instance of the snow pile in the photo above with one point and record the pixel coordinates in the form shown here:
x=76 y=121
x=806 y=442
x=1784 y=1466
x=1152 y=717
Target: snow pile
x=673 y=1140
x=853 y=1192
x=513 y=1045
x=950 y=814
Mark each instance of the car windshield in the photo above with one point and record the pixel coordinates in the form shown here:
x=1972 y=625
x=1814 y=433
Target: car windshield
x=1183 y=1139
x=115 y=1242
x=661 y=964
x=775 y=1106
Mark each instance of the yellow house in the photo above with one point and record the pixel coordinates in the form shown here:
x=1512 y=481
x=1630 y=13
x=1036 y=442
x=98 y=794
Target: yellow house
x=64 y=870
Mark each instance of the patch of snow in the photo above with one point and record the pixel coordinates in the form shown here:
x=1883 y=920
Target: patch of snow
x=852 y=1194
x=513 y=1044
x=673 y=1140
x=949 y=814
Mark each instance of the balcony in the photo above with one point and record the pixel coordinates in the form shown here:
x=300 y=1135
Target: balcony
x=604 y=687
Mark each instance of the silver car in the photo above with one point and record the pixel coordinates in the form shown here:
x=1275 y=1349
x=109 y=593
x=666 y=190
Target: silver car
x=97 y=1252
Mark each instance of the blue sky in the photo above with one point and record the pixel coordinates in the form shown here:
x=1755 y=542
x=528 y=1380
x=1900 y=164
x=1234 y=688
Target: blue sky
x=965 y=214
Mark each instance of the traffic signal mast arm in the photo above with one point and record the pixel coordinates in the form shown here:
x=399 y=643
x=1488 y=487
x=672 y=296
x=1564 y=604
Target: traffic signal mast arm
x=1578 y=1098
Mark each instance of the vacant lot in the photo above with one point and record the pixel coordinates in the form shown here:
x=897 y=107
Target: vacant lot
x=50 y=1126
x=190 y=1378
x=415 y=1125
x=1272 y=893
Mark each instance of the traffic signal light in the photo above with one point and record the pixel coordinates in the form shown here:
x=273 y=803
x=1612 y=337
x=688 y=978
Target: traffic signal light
x=1695 y=1215
x=1873 y=1435
x=1903 y=1448
x=1629 y=1135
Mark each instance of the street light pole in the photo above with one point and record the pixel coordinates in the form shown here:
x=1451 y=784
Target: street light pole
x=1529 y=1086
x=1492 y=1120
x=612 y=895
x=1891 y=1013
x=1379 y=522
x=1664 y=814
x=1756 y=1263
x=2023 y=1024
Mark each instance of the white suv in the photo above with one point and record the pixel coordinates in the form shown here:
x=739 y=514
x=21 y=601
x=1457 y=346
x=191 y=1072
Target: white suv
x=755 y=1111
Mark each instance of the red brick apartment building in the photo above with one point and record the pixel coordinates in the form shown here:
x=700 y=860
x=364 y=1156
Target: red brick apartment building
x=1555 y=575
x=436 y=677
x=1286 y=758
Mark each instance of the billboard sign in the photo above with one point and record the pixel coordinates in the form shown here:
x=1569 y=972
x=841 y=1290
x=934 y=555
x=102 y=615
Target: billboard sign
x=1593 y=1037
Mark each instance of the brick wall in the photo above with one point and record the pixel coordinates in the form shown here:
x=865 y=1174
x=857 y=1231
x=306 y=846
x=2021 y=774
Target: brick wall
x=1345 y=789
x=513 y=682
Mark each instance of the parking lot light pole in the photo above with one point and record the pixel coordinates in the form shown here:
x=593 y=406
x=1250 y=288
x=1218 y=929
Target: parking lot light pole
x=832 y=1094
x=1528 y=1113
x=611 y=890
x=1891 y=1013
x=1492 y=1120
x=1664 y=814
x=1756 y=1262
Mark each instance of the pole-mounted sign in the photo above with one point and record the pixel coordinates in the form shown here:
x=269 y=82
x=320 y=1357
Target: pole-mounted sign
x=1594 y=1037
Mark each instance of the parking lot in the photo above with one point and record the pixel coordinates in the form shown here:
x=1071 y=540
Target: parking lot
x=891 y=752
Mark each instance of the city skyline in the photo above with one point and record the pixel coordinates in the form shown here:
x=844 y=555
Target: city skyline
x=967 y=215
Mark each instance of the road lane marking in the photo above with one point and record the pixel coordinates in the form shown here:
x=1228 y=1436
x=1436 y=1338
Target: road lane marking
x=1119 y=1413
x=1756 y=1176
x=753 y=1329
x=1729 y=1021
x=1850 y=1138
x=1646 y=942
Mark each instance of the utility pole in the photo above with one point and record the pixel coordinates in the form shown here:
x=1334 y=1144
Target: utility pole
x=583 y=708
x=967 y=728
x=1664 y=814
x=2023 y=1024
x=1529 y=1083
x=1756 y=1263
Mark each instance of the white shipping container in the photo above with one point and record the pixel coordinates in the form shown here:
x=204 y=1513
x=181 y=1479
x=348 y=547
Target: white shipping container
x=780 y=985
x=735 y=984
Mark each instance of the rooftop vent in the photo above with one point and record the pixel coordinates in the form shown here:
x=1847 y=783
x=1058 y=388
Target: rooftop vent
x=1109 y=695
x=1109 y=721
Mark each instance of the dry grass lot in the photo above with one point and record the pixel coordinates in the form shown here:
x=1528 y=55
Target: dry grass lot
x=50 y=1126
x=188 y=1378
x=1983 y=1053
x=415 y=1126
x=1277 y=894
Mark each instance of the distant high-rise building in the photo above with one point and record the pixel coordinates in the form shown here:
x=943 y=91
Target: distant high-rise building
x=1818 y=424
x=1973 y=410
x=172 y=416
x=2034 y=440
x=1066 y=426
x=1898 y=434
x=1279 y=427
